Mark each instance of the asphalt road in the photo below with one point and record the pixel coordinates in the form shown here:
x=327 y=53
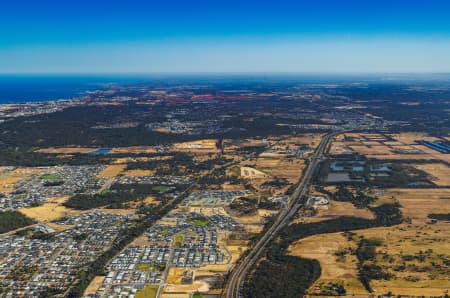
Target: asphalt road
x=239 y=272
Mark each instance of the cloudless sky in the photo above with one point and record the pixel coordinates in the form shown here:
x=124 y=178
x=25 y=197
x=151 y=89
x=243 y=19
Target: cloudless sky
x=224 y=36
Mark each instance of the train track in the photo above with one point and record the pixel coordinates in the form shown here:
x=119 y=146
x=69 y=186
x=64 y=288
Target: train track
x=233 y=288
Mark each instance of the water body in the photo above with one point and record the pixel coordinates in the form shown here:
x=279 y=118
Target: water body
x=100 y=151
x=27 y=88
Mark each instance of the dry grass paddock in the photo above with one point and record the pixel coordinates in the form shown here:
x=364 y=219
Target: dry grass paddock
x=51 y=210
x=94 y=285
x=111 y=171
x=417 y=234
x=333 y=269
x=439 y=172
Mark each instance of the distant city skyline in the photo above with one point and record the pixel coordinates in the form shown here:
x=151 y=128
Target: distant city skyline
x=232 y=36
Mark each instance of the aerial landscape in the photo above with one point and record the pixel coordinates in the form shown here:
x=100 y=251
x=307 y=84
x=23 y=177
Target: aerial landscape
x=135 y=175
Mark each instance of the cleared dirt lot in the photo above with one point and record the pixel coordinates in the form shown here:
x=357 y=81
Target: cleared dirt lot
x=175 y=275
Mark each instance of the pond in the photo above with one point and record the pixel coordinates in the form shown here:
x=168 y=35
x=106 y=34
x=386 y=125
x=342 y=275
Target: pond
x=100 y=151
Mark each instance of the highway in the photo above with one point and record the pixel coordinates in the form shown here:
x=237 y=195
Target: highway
x=239 y=272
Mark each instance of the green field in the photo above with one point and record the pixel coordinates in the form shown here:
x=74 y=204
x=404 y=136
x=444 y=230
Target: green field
x=197 y=295
x=209 y=202
x=105 y=192
x=200 y=221
x=144 y=267
x=147 y=292
x=49 y=177
x=161 y=188
x=164 y=231
x=178 y=240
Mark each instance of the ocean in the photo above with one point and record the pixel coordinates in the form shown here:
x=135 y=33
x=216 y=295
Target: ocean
x=19 y=89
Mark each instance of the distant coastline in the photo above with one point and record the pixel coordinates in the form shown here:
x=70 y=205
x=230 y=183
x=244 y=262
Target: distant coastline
x=22 y=89
x=35 y=88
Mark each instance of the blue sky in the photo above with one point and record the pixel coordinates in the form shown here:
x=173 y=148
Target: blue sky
x=224 y=36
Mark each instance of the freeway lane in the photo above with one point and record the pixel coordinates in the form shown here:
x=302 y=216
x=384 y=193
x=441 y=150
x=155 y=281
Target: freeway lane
x=238 y=274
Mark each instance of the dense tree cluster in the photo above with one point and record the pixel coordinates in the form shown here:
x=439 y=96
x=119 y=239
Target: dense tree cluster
x=11 y=220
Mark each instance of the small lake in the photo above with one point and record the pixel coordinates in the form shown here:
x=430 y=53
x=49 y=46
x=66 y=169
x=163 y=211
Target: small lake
x=100 y=151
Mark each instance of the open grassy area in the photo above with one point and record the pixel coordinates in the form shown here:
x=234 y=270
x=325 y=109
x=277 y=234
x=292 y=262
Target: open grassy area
x=281 y=172
x=147 y=292
x=338 y=264
x=111 y=171
x=144 y=267
x=94 y=285
x=439 y=172
x=178 y=240
x=415 y=253
x=200 y=221
x=138 y=173
x=335 y=209
x=413 y=257
x=51 y=210
x=161 y=188
x=49 y=176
